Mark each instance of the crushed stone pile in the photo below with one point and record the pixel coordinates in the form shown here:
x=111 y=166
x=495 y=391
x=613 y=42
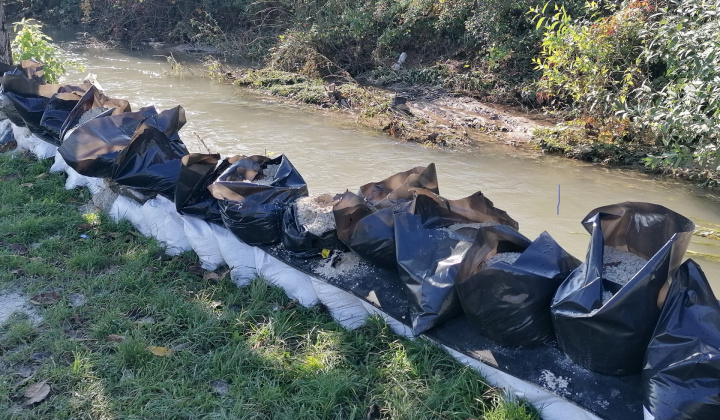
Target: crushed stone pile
x=339 y=264
x=620 y=266
x=315 y=213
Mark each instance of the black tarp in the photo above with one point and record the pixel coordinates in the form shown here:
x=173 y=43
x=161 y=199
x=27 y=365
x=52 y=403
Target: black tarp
x=151 y=161
x=510 y=302
x=681 y=377
x=251 y=205
x=610 y=336
x=56 y=111
x=197 y=172
x=428 y=260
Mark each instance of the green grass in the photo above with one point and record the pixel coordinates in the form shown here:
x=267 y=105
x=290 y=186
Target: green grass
x=265 y=362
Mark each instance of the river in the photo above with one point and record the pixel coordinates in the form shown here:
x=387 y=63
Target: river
x=543 y=193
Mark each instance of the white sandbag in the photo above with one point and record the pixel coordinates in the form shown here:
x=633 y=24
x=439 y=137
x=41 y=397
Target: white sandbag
x=238 y=255
x=165 y=224
x=33 y=144
x=346 y=308
x=296 y=284
x=60 y=165
x=202 y=239
x=396 y=326
x=128 y=209
x=550 y=406
x=75 y=180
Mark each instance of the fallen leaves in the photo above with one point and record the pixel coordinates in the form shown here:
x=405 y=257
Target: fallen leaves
x=160 y=351
x=36 y=392
x=114 y=338
x=220 y=387
x=45 y=299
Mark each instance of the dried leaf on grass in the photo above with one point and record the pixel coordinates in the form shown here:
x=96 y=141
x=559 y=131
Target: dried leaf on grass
x=27 y=184
x=160 y=351
x=114 y=338
x=49 y=298
x=36 y=392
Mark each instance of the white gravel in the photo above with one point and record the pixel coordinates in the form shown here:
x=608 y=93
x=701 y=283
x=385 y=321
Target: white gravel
x=458 y=226
x=90 y=114
x=344 y=263
x=620 y=266
x=267 y=175
x=315 y=213
x=506 y=257
x=554 y=383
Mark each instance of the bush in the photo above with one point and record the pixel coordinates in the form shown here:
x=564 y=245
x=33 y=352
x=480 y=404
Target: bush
x=31 y=43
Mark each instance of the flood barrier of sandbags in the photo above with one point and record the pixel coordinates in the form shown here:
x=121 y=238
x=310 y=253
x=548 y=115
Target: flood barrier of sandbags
x=420 y=261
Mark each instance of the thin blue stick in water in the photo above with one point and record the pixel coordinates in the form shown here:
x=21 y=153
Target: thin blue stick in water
x=558 y=207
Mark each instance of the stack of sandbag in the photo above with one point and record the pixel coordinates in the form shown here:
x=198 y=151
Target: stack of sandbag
x=604 y=313
x=253 y=194
x=506 y=283
x=681 y=376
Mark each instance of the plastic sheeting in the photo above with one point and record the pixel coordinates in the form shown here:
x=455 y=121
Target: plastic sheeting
x=254 y=193
x=510 y=303
x=302 y=243
x=681 y=376
x=610 y=335
x=93 y=98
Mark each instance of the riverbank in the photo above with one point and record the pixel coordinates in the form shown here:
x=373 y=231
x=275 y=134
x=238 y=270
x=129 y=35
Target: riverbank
x=110 y=326
x=437 y=117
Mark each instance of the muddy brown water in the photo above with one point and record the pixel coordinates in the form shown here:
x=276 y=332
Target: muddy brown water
x=333 y=155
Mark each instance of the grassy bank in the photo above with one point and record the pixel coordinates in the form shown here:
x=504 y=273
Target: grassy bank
x=127 y=332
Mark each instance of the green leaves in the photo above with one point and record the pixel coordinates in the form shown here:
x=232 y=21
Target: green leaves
x=31 y=43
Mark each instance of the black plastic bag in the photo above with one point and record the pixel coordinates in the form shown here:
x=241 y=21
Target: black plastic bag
x=681 y=377
x=368 y=231
x=600 y=324
x=428 y=260
x=254 y=193
x=302 y=243
x=91 y=149
x=509 y=302
x=56 y=111
x=192 y=197
x=151 y=162
x=96 y=103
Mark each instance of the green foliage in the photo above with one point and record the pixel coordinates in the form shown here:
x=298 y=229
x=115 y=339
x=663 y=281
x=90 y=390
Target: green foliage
x=31 y=43
x=648 y=73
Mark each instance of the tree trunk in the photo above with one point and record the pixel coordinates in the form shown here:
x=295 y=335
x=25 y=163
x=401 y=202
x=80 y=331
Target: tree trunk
x=5 y=51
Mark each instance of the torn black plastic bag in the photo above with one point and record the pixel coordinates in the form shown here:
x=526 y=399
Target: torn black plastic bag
x=300 y=242
x=151 y=162
x=600 y=324
x=369 y=231
x=192 y=197
x=510 y=302
x=91 y=149
x=681 y=376
x=428 y=260
x=253 y=194
x=56 y=112
x=92 y=104
x=397 y=187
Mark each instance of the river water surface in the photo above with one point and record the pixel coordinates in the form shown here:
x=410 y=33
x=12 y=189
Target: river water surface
x=541 y=193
